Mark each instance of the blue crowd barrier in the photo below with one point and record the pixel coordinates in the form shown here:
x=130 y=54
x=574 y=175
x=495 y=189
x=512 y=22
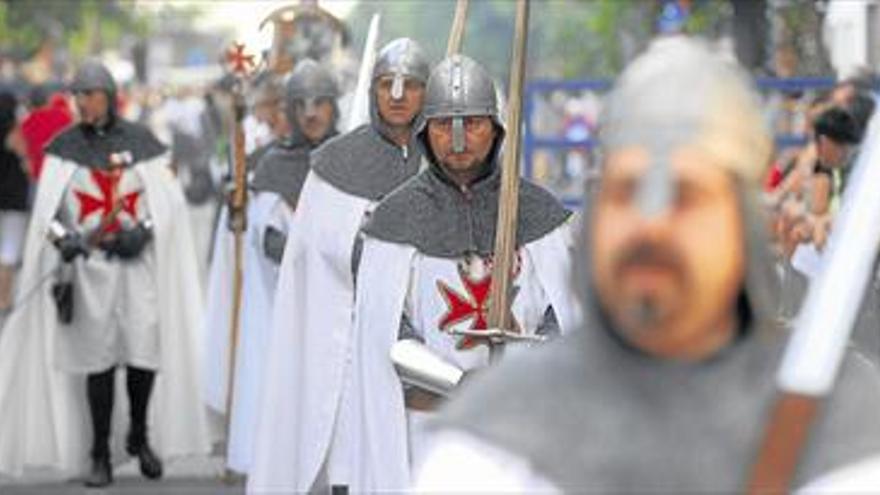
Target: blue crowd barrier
x=533 y=142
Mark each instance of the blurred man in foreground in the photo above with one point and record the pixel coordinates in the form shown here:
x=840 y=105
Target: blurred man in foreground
x=668 y=385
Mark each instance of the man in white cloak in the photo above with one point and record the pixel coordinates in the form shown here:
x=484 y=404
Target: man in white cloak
x=125 y=292
x=310 y=97
x=301 y=429
x=425 y=273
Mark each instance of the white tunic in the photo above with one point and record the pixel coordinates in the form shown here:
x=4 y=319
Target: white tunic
x=115 y=312
x=452 y=294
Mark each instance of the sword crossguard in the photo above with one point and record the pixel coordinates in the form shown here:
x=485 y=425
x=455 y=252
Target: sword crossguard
x=499 y=336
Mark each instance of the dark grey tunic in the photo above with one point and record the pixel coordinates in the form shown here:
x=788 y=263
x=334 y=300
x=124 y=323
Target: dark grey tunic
x=592 y=415
x=90 y=147
x=364 y=163
x=433 y=214
x=283 y=168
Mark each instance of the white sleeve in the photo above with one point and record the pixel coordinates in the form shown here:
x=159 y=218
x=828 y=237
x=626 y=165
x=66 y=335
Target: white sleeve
x=458 y=462
x=859 y=477
x=409 y=323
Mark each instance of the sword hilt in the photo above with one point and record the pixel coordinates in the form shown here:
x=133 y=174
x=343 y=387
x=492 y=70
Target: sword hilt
x=499 y=336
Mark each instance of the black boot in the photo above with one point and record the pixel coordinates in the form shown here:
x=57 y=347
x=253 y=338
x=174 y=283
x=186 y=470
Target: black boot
x=140 y=384
x=151 y=465
x=101 y=473
x=99 y=391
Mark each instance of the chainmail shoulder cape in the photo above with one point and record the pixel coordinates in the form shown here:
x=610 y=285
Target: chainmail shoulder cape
x=283 y=170
x=433 y=215
x=83 y=145
x=591 y=414
x=365 y=164
x=253 y=159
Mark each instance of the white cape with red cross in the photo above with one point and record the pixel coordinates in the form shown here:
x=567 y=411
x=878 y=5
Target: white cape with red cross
x=44 y=419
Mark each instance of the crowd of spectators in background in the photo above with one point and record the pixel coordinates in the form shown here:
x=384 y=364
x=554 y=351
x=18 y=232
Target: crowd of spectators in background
x=805 y=184
x=25 y=129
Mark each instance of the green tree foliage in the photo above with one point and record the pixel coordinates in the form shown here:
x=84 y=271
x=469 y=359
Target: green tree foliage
x=82 y=27
x=567 y=38
x=797 y=27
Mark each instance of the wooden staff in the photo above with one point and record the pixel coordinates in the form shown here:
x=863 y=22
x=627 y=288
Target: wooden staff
x=508 y=201
x=785 y=438
x=456 y=34
x=816 y=350
x=238 y=224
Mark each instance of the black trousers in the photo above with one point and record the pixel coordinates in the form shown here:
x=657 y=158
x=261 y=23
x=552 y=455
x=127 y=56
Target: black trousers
x=100 y=392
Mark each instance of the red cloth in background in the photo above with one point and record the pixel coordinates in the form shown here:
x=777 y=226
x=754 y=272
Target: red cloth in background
x=774 y=178
x=41 y=126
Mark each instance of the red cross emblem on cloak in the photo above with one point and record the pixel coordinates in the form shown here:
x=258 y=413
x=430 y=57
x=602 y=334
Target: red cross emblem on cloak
x=474 y=305
x=108 y=201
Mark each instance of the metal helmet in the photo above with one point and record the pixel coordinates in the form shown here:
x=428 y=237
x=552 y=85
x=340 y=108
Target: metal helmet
x=309 y=82
x=681 y=92
x=267 y=88
x=93 y=75
x=460 y=87
x=402 y=58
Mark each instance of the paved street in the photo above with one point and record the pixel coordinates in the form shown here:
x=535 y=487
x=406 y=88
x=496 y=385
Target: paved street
x=184 y=477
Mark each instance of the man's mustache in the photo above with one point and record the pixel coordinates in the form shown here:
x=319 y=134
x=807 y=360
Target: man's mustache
x=652 y=254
